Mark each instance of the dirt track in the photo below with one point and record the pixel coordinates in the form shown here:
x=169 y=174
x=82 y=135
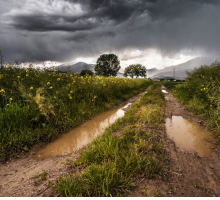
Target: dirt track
x=189 y=174
x=21 y=177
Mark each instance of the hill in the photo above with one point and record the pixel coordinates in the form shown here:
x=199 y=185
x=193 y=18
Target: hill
x=76 y=67
x=179 y=70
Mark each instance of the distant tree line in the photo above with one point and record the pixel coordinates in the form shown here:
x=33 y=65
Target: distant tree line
x=135 y=70
x=106 y=65
x=109 y=65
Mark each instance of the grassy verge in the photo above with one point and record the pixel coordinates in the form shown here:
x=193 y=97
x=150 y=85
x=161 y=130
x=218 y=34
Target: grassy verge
x=172 y=84
x=113 y=163
x=201 y=94
x=38 y=105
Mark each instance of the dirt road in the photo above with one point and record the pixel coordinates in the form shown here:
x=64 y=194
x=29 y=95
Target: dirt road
x=22 y=177
x=190 y=175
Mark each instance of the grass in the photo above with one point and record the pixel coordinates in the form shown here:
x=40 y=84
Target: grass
x=43 y=176
x=111 y=165
x=201 y=93
x=172 y=84
x=36 y=106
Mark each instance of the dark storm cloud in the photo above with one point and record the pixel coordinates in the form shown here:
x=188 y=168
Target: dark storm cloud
x=96 y=13
x=65 y=29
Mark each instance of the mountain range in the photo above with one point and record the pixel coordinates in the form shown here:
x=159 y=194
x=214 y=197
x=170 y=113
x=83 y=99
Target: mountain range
x=175 y=71
x=78 y=67
x=178 y=72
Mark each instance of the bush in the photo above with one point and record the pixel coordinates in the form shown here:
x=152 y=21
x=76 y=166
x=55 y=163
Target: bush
x=202 y=92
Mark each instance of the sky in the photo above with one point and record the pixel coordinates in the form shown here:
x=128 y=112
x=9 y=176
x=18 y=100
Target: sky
x=154 y=33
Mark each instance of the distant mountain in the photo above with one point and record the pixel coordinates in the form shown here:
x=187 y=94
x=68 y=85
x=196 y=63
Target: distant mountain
x=180 y=70
x=76 y=67
x=151 y=72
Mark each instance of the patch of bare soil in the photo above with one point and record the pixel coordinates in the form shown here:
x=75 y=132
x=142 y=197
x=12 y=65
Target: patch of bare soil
x=189 y=175
x=22 y=177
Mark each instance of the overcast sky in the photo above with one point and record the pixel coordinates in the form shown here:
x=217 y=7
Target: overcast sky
x=155 y=33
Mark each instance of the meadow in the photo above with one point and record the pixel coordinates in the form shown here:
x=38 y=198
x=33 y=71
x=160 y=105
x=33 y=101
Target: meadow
x=201 y=93
x=37 y=105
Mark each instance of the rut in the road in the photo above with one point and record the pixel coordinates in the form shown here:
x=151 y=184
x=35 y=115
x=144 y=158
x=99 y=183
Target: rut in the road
x=189 y=174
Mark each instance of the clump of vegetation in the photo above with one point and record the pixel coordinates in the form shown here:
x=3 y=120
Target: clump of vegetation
x=86 y=72
x=201 y=93
x=39 y=178
x=173 y=84
x=112 y=164
x=43 y=176
x=37 y=105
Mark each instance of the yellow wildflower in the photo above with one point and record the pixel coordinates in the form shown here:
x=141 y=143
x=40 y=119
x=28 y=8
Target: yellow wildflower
x=31 y=88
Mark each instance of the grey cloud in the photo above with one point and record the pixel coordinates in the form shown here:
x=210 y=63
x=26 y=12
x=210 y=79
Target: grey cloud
x=114 y=25
x=102 y=11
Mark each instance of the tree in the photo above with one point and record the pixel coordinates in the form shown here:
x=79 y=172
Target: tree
x=129 y=71
x=86 y=72
x=107 y=65
x=135 y=70
x=1 y=60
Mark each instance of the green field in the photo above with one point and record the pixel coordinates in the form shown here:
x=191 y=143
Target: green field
x=36 y=106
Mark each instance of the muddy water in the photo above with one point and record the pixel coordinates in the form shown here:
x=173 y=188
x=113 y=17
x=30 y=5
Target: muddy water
x=82 y=135
x=190 y=136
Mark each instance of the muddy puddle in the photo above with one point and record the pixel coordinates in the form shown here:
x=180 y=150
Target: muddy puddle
x=81 y=135
x=189 y=135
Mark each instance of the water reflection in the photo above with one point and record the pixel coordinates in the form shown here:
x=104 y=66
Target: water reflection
x=164 y=91
x=190 y=136
x=82 y=135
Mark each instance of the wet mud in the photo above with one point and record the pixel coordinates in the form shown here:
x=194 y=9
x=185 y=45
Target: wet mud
x=194 y=169
x=189 y=135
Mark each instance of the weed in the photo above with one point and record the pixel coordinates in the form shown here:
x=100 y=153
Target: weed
x=36 y=183
x=43 y=176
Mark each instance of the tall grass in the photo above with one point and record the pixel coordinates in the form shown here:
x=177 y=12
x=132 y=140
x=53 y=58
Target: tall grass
x=201 y=93
x=113 y=164
x=38 y=105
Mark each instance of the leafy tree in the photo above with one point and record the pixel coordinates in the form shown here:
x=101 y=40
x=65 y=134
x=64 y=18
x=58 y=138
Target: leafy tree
x=143 y=72
x=86 y=72
x=135 y=70
x=107 y=65
x=129 y=71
